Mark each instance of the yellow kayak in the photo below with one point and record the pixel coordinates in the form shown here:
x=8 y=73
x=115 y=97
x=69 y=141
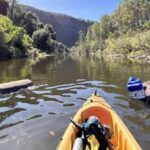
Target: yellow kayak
x=121 y=138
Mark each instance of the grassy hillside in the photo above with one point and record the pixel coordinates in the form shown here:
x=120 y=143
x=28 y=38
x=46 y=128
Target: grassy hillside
x=66 y=27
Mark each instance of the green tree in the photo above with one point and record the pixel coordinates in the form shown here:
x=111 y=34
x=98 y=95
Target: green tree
x=132 y=14
x=4 y=50
x=40 y=38
x=16 y=39
x=44 y=39
x=18 y=16
x=107 y=27
x=115 y=32
x=49 y=28
x=31 y=23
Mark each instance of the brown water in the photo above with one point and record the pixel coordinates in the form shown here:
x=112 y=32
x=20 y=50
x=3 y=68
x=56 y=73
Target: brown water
x=62 y=84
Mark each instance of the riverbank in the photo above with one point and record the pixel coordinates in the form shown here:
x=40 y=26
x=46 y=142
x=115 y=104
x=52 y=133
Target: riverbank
x=32 y=53
x=123 y=32
x=18 y=42
x=135 y=57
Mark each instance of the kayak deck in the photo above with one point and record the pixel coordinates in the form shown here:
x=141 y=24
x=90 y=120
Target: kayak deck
x=96 y=106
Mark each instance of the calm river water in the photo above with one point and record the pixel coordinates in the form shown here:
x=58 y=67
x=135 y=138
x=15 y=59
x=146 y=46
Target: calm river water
x=61 y=85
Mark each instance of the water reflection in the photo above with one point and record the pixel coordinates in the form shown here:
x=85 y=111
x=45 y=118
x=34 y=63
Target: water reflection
x=62 y=84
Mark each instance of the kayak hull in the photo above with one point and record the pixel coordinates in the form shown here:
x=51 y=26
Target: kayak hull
x=121 y=138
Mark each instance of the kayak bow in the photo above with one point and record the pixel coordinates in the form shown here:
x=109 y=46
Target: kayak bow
x=121 y=138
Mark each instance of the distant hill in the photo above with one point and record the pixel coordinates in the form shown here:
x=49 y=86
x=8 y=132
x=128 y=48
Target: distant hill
x=66 y=27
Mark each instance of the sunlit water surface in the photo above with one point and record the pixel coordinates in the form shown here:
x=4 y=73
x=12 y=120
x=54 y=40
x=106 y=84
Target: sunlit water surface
x=61 y=85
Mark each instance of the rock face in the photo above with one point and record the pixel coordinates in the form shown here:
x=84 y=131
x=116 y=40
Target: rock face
x=14 y=86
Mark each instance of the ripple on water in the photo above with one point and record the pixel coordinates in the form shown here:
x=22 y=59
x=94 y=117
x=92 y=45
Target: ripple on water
x=52 y=113
x=119 y=97
x=10 y=125
x=21 y=96
x=4 y=109
x=59 y=86
x=33 y=117
x=92 y=83
x=32 y=98
x=3 y=136
x=61 y=92
x=82 y=99
x=121 y=105
x=54 y=100
x=66 y=95
x=42 y=92
x=72 y=87
x=36 y=87
x=6 y=114
x=68 y=105
x=4 y=98
x=81 y=80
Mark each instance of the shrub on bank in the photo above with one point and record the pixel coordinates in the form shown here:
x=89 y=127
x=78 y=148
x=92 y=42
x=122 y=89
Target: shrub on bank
x=44 y=39
x=15 y=39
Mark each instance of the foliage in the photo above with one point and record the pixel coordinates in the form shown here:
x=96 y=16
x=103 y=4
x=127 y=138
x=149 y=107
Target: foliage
x=50 y=30
x=44 y=39
x=66 y=27
x=17 y=41
x=14 y=37
x=30 y=22
x=125 y=31
x=57 y=47
x=40 y=38
x=24 y=32
x=18 y=17
x=4 y=51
